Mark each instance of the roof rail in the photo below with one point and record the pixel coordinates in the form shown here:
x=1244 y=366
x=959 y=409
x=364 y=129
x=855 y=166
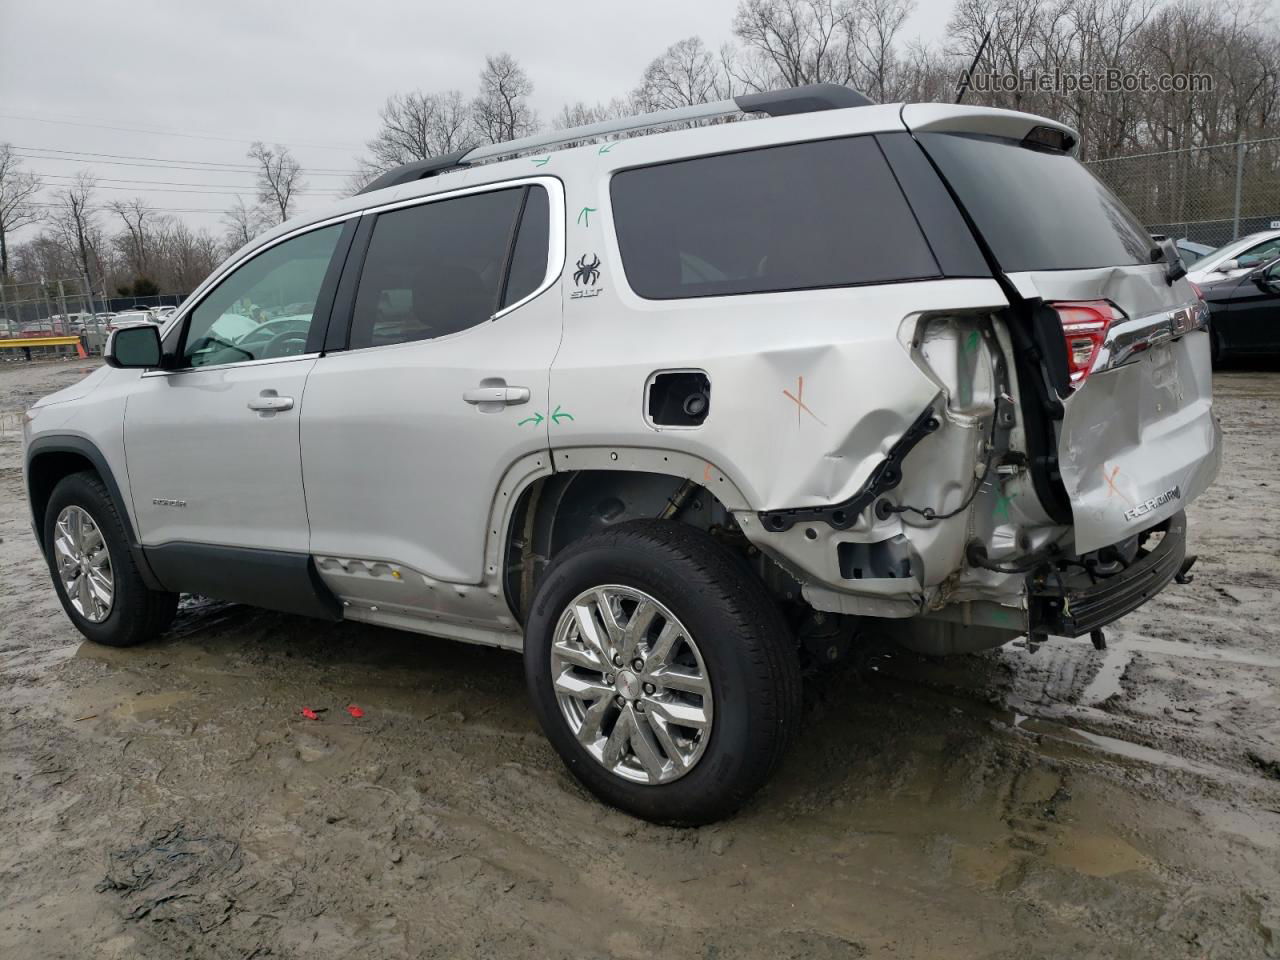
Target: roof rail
x=776 y=103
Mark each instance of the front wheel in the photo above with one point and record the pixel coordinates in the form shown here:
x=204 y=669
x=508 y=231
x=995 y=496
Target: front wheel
x=93 y=569
x=661 y=672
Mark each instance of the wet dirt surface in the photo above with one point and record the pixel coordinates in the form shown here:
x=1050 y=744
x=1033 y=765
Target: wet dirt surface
x=170 y=800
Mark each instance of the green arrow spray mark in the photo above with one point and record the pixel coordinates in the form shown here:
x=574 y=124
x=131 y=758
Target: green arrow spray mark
x=1002 y=504
x=541 y=161
x=971 y=344
x=584 y=217
x=536 y=419
x=557 y=416
x=607 y=147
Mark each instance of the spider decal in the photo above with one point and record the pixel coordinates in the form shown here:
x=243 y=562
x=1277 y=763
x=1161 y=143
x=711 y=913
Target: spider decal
x=587 y=273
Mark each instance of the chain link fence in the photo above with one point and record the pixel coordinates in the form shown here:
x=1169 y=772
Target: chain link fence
x=63 y=308
x=1209 y=195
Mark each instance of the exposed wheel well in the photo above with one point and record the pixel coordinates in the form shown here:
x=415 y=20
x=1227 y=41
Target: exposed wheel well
x=557 y=510
x=43 y=473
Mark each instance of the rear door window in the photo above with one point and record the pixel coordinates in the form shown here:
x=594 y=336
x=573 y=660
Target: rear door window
x=1038 y=209
x=795 y=217
x=441 y=267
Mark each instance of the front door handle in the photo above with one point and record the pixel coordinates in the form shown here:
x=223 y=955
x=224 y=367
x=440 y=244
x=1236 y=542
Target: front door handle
x=269 y=401
x=508 y=396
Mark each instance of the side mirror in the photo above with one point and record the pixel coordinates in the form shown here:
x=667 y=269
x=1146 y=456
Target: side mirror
x=1226 y=266
x=134 y=347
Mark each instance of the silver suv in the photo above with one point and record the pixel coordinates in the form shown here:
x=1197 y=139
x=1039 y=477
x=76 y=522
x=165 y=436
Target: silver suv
x=673 y=414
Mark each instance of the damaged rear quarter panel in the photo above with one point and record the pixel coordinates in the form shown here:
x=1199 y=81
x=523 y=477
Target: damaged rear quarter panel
x=809 y=390
x=805 y=401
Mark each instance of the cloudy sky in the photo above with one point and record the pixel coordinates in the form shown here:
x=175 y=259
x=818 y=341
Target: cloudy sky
x=156 y=84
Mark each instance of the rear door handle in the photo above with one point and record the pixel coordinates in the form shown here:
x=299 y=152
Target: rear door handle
x=270 y=401
x=504 y=395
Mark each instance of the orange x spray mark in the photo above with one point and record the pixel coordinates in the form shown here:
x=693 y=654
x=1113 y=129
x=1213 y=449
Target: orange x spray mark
x=798 y=399
x=1112 y=489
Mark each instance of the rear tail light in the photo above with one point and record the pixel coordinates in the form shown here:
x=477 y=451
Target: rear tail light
x=1085 y=324
x=1196 y=287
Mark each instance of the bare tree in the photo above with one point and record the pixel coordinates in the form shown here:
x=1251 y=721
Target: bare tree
x=501 y=111
x=415 y=126
x=136 y=242
x=797 y=42
x=794 y=42
x=75 y=222
x=17 y=188
x=185 y=256
x=279 y=178
x=872 y=28
x=580 y=114
x=419 y=126
x=683 y=75
x=242 y=223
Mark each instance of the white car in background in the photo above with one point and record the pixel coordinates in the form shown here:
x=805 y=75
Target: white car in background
x=131 y=318
x=1237 y=257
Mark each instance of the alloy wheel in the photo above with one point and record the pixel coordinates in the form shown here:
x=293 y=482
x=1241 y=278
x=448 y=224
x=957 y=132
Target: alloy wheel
x=631 y=684
x=84 y=564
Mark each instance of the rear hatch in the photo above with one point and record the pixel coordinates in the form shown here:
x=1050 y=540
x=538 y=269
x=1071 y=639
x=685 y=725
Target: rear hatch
x=1134 y=435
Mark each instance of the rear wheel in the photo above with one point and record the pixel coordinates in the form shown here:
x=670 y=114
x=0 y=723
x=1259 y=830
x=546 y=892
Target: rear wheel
x=661 y=672
x=93 y=568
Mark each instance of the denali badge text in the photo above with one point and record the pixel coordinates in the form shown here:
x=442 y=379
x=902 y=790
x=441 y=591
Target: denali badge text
x=166 y=502
x=1142 y=509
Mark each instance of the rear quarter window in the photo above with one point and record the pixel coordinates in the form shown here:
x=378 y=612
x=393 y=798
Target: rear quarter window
x=795 y=217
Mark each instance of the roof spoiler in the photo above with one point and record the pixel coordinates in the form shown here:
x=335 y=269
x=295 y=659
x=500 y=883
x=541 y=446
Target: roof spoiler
x=776 y=103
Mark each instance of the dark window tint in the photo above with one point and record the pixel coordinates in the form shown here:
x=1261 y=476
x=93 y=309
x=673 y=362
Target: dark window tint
x=1038 y=210
x=529 y=258
x=435 y=268
x=783 y=218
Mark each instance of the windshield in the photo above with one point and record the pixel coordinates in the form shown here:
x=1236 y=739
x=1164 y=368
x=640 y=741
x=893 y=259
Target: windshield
x=1038 y=209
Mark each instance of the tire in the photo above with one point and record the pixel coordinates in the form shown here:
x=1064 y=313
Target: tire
x=740 y=650
x=135 y=613
x=1215 y=351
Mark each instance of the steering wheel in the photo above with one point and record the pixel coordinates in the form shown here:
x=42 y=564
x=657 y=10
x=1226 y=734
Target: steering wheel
x=290 y=343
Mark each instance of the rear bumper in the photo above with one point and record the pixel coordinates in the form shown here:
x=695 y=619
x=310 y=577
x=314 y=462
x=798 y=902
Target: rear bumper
x=1075 y=606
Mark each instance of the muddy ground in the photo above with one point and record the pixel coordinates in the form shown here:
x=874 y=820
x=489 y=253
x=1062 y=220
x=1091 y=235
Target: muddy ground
x=170 y=800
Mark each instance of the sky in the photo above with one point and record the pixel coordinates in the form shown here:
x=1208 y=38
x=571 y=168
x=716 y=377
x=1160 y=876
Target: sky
x=135 y=90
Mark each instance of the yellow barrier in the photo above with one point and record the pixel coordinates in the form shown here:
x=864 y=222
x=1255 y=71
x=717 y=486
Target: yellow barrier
x=41 y=342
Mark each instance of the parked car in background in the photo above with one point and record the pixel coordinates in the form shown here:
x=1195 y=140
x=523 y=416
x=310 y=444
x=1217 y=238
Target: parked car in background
x=1192 y=252
x=1237 y=258
x=1244 y=313
x=854 y=368
x=163 y=313
x=131 y=318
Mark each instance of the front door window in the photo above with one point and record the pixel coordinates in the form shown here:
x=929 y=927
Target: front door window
x=264 y=308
